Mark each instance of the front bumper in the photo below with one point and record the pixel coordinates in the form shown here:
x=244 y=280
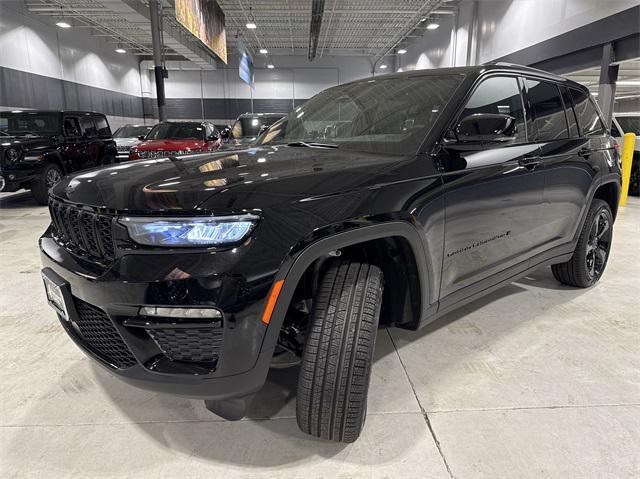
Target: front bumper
x=107 y=306
x=14 y=179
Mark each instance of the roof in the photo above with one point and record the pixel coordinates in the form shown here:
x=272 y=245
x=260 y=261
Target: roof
x=477 y=70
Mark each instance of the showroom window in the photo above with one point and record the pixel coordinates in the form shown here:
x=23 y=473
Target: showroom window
x=571 y=114
x=499 y=95
x=588 y=119
x=550 y=121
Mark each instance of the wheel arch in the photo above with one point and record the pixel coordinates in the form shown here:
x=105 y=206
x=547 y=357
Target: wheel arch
x=399 y=234
x=609 y=192
x=54 y=157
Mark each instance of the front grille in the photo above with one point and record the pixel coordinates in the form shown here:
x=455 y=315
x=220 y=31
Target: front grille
x=100 y=335
x=83 y=232
x=197 y=345
x=123 y=149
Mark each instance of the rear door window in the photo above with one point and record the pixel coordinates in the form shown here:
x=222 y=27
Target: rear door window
x=589 y=121
x=571 y=115
x=102 y=126
x=550 y=122
x=72 y=127
x=88 y=127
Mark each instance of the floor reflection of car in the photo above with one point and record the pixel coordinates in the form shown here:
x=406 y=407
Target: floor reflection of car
x=177 y=138
x=629 y=123
x=248 y=127
x=128 y=136
x=37 y=148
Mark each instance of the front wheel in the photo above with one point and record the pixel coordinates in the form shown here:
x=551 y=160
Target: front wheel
x=51 y=174
x=336 y=364
x=590 y=257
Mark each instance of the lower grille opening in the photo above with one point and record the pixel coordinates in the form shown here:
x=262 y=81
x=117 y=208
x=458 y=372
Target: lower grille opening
x=100 y=335
x=194 y=345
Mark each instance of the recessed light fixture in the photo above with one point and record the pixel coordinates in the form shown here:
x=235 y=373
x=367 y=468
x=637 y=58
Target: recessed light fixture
x=402 y=51
x=120 y=49
x=251 y=25
x=383 y=67
x=433 y=26
x=264 y=51
x=63 y=24
x=270 y=66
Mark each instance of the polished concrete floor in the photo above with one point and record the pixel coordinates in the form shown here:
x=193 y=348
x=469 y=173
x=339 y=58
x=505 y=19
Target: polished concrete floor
x=535 y=380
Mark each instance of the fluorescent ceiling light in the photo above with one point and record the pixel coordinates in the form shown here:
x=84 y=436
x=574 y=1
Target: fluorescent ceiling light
x=628 y=83
x=63 y=24
x=383 y=67
x=402 y=51
x=270 y=66
x=433 y=26
x=120 y=50
x=251 y=26
x=264 y=51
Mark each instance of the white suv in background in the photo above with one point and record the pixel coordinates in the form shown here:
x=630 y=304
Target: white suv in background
x=629 y=123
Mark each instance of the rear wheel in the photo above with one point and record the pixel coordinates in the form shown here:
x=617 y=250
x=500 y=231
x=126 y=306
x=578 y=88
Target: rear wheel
x=51 y=174
x=590 y=257
x=336 y=364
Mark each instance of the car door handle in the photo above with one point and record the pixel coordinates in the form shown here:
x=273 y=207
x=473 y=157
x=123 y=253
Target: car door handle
x=530 y=162
x=585 y=152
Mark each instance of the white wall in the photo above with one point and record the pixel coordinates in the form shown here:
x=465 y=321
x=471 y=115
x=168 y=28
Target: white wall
x=34 y=44
x=503 y=27
x=506 y=26
x=293 y=77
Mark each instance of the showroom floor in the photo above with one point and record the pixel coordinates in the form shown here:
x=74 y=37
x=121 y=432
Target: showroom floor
x=535 y=380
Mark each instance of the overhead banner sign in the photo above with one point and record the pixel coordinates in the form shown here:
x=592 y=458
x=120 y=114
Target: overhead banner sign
x=205 y=20
x=245 y=64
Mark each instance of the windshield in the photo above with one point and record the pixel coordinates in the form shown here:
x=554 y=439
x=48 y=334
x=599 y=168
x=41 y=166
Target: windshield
x=389 y=116
x=250 y=125
x=629 y=124
x=131 y=131
x=177 y=131
x=30 y=123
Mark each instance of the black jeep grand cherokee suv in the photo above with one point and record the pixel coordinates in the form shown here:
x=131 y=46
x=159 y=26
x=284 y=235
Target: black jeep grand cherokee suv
x=382 y=202
x=37 y=148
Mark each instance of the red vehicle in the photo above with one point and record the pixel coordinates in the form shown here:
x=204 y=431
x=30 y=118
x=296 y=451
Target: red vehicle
x=177 y=138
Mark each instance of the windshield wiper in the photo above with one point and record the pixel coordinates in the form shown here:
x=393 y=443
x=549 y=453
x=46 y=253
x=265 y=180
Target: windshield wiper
x=312 y=144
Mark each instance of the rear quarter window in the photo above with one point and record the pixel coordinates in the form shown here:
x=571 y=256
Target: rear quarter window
x=589 y=120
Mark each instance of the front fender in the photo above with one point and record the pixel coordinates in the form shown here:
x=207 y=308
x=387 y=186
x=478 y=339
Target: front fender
x=294 y=266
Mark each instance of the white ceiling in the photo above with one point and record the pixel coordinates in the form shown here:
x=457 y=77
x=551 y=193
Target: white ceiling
x=628 y=79
x=349 y=27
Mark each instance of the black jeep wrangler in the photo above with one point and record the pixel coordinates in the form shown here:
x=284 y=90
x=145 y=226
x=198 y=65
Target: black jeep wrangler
x=37 y=148
x=385 y=202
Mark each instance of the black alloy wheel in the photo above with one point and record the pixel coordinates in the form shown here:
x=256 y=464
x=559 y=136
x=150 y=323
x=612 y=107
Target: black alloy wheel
x=591 y=253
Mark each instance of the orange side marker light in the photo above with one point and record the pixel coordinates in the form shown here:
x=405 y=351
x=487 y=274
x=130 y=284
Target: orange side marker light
x=271 y=302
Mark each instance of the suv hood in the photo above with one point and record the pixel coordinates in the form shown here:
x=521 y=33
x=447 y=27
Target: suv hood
x=229 y=181
x=25 y=141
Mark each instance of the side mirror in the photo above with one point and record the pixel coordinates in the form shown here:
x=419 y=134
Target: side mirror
x=225 y=134
x=485 y=128
x=142 y=137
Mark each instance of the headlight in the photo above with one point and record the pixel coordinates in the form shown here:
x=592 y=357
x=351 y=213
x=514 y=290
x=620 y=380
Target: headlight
x=12 y=155
x=205 y=231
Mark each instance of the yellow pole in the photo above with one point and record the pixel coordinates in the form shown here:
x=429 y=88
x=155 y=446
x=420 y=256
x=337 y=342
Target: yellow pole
x=628 y=146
